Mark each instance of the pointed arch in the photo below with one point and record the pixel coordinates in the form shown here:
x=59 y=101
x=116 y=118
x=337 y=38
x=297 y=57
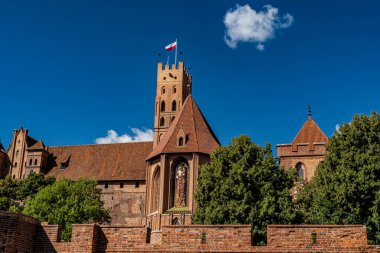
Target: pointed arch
x=163 y=106
x=156 y=189
x=162 y=121
x=300 y=167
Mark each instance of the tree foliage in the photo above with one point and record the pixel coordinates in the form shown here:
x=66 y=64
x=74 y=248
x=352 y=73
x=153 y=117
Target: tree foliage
x=243 y=185
x=67 y=202
x=346 y=187
x=13 y=194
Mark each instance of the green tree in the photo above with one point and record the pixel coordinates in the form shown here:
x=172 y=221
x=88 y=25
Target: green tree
x=8 y=188
x=346 y=187
x=243 y=185
x=13 y=193
x=67 y=202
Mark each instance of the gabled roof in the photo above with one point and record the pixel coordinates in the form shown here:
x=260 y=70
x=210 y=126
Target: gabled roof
x=38 y=146
x=199 y=136
x=310 y=133
x=103 y=162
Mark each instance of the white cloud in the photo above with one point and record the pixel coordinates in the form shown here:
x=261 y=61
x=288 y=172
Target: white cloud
x=138 y=135
x=337 y=128
x=244 y=24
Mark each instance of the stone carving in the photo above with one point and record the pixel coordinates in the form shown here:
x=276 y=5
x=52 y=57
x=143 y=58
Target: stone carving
x=180 y=185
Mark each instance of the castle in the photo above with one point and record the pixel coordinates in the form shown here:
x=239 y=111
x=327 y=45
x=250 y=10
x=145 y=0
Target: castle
x=149 y=188
x=152 y=183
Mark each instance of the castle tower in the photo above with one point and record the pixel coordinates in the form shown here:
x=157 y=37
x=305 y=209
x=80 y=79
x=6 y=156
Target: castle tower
x=306 y=151
x=17 y=152
x=174 y=84
x=36 y=158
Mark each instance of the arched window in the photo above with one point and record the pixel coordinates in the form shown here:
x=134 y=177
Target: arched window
x=35 y=162
x=30 y=162
x=174 y=106
x=156 y=190
x=163 y=90
x=180 y=141
x=176 y=221
x=162 y=121
x=300 y=170
x=17 y=152
x=174 y=89
x=15 y=164
x=162 y=106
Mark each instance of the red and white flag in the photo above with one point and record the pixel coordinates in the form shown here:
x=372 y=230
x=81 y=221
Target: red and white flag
x=171 y=46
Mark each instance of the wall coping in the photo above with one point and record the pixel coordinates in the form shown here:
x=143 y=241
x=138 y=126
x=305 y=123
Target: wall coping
x=21 y=216
x=208 y=226
x=314 y=226
x=120 y=226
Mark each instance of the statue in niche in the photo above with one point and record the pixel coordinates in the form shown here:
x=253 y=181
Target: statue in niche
x=180 y=185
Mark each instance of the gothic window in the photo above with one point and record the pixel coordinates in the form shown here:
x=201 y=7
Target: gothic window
x=174 y=106
x=30 y=162
x=163 y=90
x=179 y=184
x=300 y=170
x=180 y=141
x=156 y=190
x=35 y=162
x=162 y=121
x=174 y=89
x=162 y=106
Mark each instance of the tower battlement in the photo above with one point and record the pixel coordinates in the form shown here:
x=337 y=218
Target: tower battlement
x=174 y=84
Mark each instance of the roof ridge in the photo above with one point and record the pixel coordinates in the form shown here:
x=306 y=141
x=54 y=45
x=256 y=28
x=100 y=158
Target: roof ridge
x=194 y=126
x=97 y=144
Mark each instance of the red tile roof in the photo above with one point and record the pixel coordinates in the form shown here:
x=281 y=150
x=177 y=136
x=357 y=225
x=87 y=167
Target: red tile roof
x=310 y=133
x=200 y=137
x=120 y=161
x=38 y=146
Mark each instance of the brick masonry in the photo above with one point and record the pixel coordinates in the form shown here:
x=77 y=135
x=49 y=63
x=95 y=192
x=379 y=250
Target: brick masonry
x=23 y=234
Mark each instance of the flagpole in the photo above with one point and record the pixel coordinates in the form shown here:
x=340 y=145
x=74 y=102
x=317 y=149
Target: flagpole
x=175 y=59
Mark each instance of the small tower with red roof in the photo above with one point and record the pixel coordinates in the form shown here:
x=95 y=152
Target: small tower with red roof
x=306 y=151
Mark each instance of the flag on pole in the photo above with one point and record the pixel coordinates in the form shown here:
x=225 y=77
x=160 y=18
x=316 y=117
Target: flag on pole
x=171 y=46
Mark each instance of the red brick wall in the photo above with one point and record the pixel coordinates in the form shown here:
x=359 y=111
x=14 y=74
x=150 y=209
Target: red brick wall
x=17 y=232
x=348 y=237
x=121 y=238
x=217 y=237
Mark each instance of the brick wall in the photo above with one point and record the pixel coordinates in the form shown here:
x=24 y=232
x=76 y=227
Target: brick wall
x=23 y=234
x=121 y=238
x=206 y=237
x=317 y=237
x=17 y=232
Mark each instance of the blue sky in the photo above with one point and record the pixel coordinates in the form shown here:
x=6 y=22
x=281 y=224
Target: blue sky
x=72 y=70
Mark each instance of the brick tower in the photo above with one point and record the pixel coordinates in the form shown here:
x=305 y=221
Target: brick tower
x=306 y=151
x=174 y=84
